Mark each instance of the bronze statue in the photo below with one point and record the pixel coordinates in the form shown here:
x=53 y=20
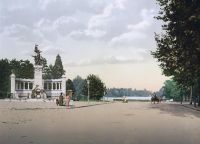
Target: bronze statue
x=38 y=58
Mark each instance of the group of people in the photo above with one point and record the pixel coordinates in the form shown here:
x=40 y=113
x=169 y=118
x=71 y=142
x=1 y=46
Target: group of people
x=60 y=100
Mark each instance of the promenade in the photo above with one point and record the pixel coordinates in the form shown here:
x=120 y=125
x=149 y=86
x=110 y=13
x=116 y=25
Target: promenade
x=98 y=123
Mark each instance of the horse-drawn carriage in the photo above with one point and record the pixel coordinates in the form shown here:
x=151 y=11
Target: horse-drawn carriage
x=156 y=98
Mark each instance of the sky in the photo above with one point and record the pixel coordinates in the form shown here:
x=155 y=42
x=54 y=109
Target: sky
x=108 y=38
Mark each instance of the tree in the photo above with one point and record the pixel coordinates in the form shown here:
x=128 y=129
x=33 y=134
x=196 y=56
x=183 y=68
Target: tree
x=78 y=83
x=97 y=88
x=21 y=69
x=58 y=70
x=4 y=77
x=178 y=48
x=48 y=72
x=171 y=90
x=70 y=85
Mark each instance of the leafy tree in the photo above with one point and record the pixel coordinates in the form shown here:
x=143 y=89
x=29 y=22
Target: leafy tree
x=178 y=48
x=48 y=72
x=58 y=70
x=97 y=88
x=70 y=85
x=4 y=77
x=78 y=83
x=21 y=69
x=171 y=90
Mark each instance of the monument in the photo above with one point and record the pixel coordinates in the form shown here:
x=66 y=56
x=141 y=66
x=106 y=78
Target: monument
x=37 y=87
x=38 y=68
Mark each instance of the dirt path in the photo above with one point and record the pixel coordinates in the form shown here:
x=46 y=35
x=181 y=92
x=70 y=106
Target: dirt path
x=117 y=123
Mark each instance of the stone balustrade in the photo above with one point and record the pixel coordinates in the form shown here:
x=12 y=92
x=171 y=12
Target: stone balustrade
x=23 y=87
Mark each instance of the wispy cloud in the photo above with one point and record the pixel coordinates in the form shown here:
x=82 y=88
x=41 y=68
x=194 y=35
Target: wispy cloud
x=106 y=60
x=135 y=31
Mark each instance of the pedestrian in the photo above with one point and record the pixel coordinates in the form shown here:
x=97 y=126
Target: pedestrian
x=67 y=101
x=61 y=100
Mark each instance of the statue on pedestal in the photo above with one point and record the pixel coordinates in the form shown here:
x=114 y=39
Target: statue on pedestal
x=38 y=58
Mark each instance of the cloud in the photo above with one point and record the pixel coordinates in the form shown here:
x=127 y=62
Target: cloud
x=97 y=23
x=90 y=33
x=107 y=60
x=102 y=18
x=135 y=31
x=20 y=32
x=52 y=50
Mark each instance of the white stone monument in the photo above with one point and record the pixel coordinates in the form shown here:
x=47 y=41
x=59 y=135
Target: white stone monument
x=38 y=76
x=37 y=87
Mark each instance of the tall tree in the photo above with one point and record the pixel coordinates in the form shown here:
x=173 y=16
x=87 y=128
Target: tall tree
x=5 y=72
x=97 y=88
x=21 y=69
x=178 y=48
x=70 y=85
x=48 y=72
x=78 y=83
x=58 y=70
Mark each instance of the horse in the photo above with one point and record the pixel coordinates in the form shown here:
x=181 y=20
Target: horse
x=156 y=99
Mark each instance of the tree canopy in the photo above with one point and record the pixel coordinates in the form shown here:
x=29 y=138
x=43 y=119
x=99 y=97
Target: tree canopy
x=178 y=47
x=97 y=88
x=21 y=69
x=58 y=70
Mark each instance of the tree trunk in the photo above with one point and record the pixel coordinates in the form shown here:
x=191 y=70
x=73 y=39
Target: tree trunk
x=195 y=101
x=181 y=99
x=198 y=91
x=191 y=95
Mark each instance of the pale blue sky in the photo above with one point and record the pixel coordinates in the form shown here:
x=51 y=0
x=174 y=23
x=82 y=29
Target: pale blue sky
x=110 y=38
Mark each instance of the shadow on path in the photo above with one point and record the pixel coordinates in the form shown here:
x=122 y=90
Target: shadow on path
x=60 y=107
x=175 y=109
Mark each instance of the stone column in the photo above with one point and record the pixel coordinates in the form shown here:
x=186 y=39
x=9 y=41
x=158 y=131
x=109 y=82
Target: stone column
x=38 y=76
x=12 y=84
x=64 y=85
x=24 y=86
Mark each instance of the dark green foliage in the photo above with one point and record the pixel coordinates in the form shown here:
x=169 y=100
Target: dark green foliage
x=5 y=71
x=21 y=68
x=78 y=83
x=55 y=71
x=48 y=72
x=97 y=88
x=70 y=85
x=58 y=70
x=173 y=91
x=178 y=47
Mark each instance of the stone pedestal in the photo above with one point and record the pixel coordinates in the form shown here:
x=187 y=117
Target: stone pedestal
x=38 y=76
x=64 y=85
x=12 y=84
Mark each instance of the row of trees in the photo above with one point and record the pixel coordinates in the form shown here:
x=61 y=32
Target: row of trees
x=21 y=68
x=178 y=47
x=25 y=69
x=172 y=90
x=81 y=87
x=53 y=71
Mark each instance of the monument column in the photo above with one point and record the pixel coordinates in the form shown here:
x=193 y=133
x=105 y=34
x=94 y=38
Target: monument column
x=64 y=85
x=38 y=76
x=12 y=89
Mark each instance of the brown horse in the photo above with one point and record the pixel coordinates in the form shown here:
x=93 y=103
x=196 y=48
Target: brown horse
x=156 y=99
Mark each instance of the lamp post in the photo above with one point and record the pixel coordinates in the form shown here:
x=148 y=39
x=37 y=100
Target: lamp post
x=88 y=83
